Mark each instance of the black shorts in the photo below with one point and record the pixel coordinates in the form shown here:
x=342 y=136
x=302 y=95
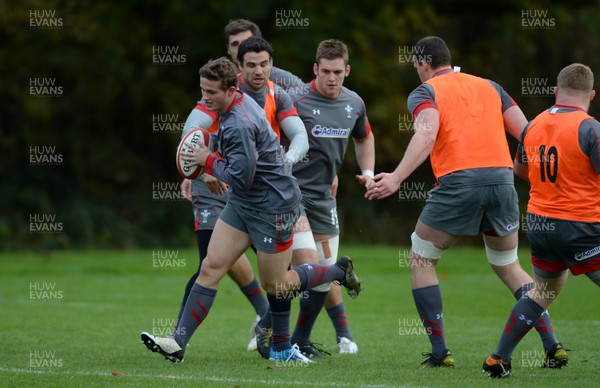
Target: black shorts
x=557 y=245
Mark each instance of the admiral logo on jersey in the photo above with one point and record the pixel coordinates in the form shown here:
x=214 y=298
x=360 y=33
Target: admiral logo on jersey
x=321 y=131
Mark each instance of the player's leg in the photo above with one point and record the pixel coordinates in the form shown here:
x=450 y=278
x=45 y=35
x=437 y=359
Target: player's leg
x=327 y=247
x=281 y=284
x=428 y=244
x=226 y=245
x=202 y=239
x=522 y=318
x=500 y=224
x=243 y=275
x=304 y=251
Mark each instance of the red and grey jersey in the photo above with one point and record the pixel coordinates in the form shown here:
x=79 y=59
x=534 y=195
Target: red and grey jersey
x=329 y=124
x=253 y=161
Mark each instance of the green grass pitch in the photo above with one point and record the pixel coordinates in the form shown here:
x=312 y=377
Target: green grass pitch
x=73 y=319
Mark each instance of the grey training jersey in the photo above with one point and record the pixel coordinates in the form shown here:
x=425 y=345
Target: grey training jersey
x=206 y=205
x=285 y=79
x=253 y=161
x=329 y=124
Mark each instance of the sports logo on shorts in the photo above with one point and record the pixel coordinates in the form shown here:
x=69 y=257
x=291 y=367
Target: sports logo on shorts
x=512 y=225
x=587 y=254
x=205 y=214
x=268 y=240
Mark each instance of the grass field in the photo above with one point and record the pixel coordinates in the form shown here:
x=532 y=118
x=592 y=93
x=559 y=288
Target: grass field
x=73 y=319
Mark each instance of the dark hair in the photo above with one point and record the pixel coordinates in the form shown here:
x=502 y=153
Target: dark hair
x=434 y=51
x=253 y=44
x=331 y=49
x=221 y=69
x=240 y=25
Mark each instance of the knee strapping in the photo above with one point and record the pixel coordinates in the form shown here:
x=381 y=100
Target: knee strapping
x=425 y=249
x=501 y=258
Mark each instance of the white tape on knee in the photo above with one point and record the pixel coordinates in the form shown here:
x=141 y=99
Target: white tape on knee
x=425 y=249
x=501 y=258
x=304 y=240
x=327 y=248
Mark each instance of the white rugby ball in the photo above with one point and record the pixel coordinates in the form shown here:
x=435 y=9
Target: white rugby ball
x=194 y=137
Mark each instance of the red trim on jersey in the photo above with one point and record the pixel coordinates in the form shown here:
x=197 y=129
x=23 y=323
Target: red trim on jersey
x=285 y=115
x=424 y=105
x=440 y=72
x=202 y=107
x=208 y=165
x=239 y=97
x=567 y=107
x=368 y=128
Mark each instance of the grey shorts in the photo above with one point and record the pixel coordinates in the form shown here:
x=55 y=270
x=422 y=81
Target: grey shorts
x=322 y=214
x=467 y=211
x=269 y=232
x=557 y=245
x=206 y=206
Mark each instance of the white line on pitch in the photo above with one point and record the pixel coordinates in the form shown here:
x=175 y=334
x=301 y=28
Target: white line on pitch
x=197 y=378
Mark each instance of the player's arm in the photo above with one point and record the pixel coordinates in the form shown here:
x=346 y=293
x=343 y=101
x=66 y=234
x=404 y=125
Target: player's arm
x=514 y=118
x=292 y=126
x=426 y=123
x=589 y=141
x=199 y=117
x=203 y=118
x=426 y=126
x=520 y=163
x=365 y=157
x=514 y=121
x=239 y=166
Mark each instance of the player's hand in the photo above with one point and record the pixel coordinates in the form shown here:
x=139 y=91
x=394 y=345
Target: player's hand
x=383 y=186
x=365 y=180
x=198 y=155
x=334 y=187
x=214 y=185
x=186 y=189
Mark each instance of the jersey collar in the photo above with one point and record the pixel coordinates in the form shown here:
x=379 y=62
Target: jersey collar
x=239 y=97
x=567 y=107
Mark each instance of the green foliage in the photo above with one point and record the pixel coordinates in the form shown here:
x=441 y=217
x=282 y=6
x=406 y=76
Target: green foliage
x=102 y=122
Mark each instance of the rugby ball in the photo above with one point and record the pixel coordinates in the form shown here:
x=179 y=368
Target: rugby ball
x=194 y=137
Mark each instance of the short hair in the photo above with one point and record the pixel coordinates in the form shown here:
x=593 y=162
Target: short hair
x=253 y=44
x=221 y=69
x=577 y=77
x=240 y=25
x=331 y=49
x=434 y=51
